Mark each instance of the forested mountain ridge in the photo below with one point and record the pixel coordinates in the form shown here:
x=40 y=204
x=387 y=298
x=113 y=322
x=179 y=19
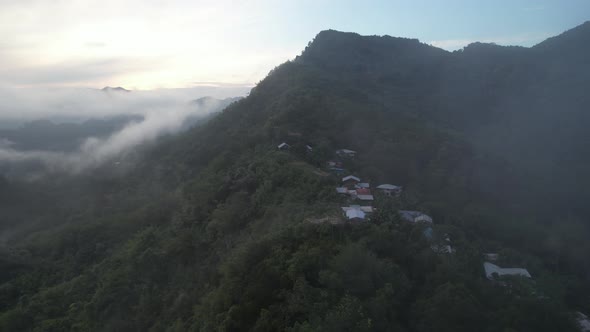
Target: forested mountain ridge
x=214 y=229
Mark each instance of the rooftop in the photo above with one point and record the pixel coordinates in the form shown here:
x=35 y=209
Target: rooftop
x=350 y=177
x=492 y=269
x=388 y=187
x=355 y=214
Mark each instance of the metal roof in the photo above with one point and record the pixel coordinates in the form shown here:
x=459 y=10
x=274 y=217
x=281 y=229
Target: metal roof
x=388 y=187
x=350 y=177
x=413 y=215
x=354 y=213
x=345 y=151
x=342 y=190
x=365 y=209
x=491 y=269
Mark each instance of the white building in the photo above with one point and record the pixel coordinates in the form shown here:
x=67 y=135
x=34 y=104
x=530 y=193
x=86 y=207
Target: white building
x=346 y=153
x=415 y=216
x=492 y=270
x=351 y=178
x=365 y=209
x=390 y=189
x=355 y=215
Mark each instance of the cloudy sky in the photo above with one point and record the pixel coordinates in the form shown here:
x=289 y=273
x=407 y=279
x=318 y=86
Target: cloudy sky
x=149 y=44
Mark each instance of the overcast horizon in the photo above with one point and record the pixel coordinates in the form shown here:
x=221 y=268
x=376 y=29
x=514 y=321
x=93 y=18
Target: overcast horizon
x=144 y=45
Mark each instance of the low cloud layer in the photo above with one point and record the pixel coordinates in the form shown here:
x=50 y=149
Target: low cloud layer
x=93 y=152
x=163 y=112
x=26 y=104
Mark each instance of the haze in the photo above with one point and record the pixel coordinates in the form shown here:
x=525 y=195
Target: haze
x=162 y=44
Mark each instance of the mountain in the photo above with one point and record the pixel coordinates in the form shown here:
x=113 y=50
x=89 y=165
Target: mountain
x=217 y=229
x=115 y=89
x=217 y=104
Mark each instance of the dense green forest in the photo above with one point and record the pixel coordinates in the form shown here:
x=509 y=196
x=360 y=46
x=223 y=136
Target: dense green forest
x=217 y=229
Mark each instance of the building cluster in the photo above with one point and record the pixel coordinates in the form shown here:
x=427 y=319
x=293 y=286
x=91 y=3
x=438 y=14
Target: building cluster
x=360 y=193
x=360 y=209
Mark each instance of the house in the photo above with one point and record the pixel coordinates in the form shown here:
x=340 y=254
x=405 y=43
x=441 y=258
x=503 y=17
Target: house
x=583 y=322
x=342 y=190
x=283 y=146
x=346 y=153
x=363 y=191
x=363 y=185
x=414 y=216
x=355 y=215
x=336 y=170
x=363 y=194
x=494 y=271
x=364 y=197
x=350 y=181
x=309 y=148
x=365 y=209
x=389 y=189
x=492 y=257
x=335 y=166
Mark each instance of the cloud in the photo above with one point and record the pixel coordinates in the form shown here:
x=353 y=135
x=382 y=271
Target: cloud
x=162 y=111
x=72 y=73
x=145 y=44
x=94 y=151
x=25 y=104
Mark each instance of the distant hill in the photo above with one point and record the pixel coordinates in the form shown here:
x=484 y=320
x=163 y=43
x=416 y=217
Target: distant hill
x=214 y=103
x=114 y=89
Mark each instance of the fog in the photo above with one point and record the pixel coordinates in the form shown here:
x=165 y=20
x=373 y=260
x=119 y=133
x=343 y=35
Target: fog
x=162 y=112
x=18 y=105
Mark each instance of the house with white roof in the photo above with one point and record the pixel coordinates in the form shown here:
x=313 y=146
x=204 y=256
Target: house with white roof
x=494 y=271
x=362 y=194
x=283 y=146
x=389 y=189
x=365 y=209
x=346 y=153
x=355 y=215
x=350 y=181
x=414 y=216
x=351 y=178
x=342 y=190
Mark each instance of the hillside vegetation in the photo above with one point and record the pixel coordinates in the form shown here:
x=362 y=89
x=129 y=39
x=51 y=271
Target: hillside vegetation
x=216 y=229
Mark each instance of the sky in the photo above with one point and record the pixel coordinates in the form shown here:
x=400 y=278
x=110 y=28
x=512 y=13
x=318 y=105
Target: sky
x=155 y=44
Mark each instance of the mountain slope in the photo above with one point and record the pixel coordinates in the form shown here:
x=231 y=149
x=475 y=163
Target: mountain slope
x=218 y=230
